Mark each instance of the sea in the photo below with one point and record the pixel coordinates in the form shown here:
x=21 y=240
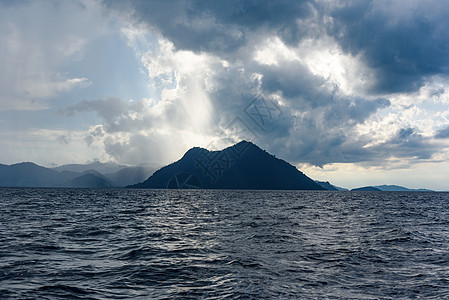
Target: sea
x=217 y=244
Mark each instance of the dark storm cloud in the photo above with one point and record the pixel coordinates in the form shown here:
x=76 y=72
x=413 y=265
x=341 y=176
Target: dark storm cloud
x=218 y=26
x=295 y=81
x=278 y=17
x=403 y=45
x=403 y=42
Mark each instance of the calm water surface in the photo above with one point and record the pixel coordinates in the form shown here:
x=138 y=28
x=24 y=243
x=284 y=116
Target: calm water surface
x=201 y=244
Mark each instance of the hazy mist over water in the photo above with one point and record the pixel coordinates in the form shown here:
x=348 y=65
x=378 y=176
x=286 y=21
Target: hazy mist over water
x=213 y=244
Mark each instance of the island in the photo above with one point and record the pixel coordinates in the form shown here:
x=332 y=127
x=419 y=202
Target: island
x=241 y=166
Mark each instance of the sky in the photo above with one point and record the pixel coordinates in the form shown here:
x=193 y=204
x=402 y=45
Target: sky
x=351 y=92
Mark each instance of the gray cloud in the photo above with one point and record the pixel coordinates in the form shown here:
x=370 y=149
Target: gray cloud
x=407 y=143
x=340 y=148
x=89 y=139
x=404 y=42
x=63 y=139
x=295 y=81
x=116 y=113
x=325 y=134
x=443 y=133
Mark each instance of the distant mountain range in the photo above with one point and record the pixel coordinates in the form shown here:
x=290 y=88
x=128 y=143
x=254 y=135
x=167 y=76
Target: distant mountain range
x=389 y=188
x=103 y=168
x=28 y=174
x=242 y=166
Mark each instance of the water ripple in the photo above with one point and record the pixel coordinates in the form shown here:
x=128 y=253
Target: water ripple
x=193 y=244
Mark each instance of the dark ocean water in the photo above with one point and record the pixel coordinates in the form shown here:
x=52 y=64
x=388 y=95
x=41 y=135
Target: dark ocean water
x=202 y=244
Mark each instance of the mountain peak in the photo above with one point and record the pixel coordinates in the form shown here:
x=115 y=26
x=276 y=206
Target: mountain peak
x=244 y=143
x=26 y=163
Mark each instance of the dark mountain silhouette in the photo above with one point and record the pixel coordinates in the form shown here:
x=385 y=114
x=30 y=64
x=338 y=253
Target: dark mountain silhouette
x=88 y=180
x=367 y=189
x=242 y=166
